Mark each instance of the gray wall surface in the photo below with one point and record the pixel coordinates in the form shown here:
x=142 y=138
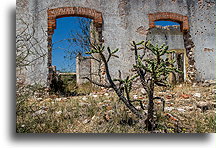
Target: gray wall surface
x=83 y=69
x=171 y=36
x=127 y=20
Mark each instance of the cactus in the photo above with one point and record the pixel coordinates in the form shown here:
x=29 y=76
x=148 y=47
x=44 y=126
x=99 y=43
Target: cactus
x=152 y=71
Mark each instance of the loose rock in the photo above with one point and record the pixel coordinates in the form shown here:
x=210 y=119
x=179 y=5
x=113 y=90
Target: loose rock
x=95 y=96
x=84 y=104
x=204 y=105
x=39 y=112
x=180 y=109
x=61 y=99
x=197 y=95
x=84 y=98
x=85 y=121
x=214 y=91
x=39 y=99
x=169 y=108
x=205 y=84
x=143 y=91
x=106 y=94
x=212 y=82
x=135 y=96
x=58 y=112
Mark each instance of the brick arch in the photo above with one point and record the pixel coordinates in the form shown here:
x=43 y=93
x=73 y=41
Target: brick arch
x=55 y=13
x=169 y=16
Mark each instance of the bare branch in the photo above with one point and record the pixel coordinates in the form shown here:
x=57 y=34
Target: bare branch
x=141 y=104
x=97 y=83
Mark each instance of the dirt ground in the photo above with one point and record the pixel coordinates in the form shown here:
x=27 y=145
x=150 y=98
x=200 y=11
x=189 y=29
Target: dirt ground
x=188 y=109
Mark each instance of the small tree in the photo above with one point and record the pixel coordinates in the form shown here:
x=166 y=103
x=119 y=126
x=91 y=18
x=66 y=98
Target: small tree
x=122 y=86
x=152 y=71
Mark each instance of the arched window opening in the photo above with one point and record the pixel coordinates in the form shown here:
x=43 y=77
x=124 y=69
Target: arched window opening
x=169 y=16
x=166 y=23
x=67 y=46
x=71 y=38
x=168 y=27
x=70 y=42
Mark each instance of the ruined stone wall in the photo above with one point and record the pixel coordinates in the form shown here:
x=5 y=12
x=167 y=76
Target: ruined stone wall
x=21 y=9
x=127 y=20
x=83 y=69
x=34 y=40
x=202 y=30
x=171 y=35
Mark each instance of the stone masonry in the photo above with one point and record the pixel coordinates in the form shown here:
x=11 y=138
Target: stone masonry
x=121 y=21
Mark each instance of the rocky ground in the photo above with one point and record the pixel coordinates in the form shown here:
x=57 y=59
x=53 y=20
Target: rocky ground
x=188 y=109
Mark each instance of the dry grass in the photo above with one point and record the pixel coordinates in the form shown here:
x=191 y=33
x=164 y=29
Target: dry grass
x=103 y=113
x=73 y=115
x=87 y=88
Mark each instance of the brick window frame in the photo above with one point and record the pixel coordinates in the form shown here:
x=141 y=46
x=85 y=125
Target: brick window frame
x=169 y=16
x=56 y=13
x=188 y=43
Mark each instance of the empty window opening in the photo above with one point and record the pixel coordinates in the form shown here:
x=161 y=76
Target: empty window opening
x=169 y=32
x=75 y=64
x=180 y=61
x=70 y=41
x=169 y=16
x=166 y=23
x=172 y=29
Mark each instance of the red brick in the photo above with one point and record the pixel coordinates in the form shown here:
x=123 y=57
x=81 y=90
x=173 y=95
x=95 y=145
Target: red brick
x=55 y=13
x=169 y=16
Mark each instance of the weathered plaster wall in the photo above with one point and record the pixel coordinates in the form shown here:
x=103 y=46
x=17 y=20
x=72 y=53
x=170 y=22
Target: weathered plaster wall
x=202 y=29
x=172 y=36
x=127 y=20
x=83 y=69
x=28 y=19
x=22 y=7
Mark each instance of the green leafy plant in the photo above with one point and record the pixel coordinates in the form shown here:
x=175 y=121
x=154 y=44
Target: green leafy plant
x=151 y=71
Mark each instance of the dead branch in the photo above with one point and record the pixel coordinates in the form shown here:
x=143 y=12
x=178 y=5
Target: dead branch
x=97 y=83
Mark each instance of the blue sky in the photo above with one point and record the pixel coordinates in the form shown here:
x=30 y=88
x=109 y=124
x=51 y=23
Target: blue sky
x=63 y=27
x=165 y=23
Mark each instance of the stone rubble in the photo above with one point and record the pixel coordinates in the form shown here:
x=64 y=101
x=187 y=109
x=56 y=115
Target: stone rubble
x=177 y=103
x=181 y=110
x=60 y=99
x=106 y=94
x=213 y=91
x=84 y=98
x=39 y=99
x=40 y=112
x=143 y=91
x=169 y=108
x=58 y=112
x=197 y=95
x=86 y=121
